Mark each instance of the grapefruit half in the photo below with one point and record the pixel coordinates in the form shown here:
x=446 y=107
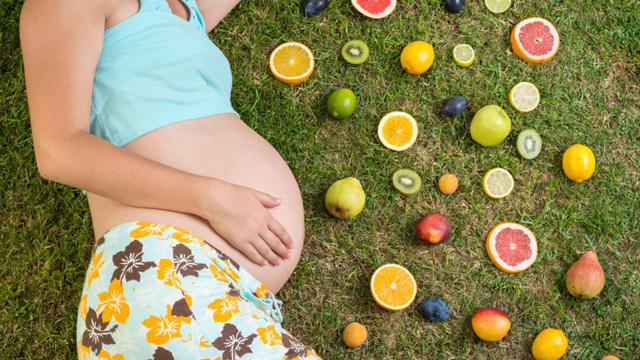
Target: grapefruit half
x=375 y=9
x=512 y=247
x=535 y=40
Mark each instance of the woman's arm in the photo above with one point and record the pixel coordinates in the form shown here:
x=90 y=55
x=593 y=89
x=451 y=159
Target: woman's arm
x=61 y=43
x=214 y=11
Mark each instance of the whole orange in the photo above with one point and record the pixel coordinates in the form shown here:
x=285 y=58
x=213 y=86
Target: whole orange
x=417 y=57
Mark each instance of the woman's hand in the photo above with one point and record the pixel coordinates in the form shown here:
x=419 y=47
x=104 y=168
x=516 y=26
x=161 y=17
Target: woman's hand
x=241 y=216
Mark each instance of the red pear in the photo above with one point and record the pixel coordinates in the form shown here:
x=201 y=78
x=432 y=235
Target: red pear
x=585 y=278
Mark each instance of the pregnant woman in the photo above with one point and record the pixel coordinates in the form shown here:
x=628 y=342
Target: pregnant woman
x=198 y=221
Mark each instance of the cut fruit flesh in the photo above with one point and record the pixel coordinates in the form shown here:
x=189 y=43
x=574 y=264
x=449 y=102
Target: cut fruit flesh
x=497 y=6
x=375 y=9
x=393 y=287
x=529 y=144
x=291 y=62
x=497 y=183
x=463 y=55
x=535 y=40
x=355 y=52
x=524 y=97
x=397 y=130
x=407 y=181
x=512 y=247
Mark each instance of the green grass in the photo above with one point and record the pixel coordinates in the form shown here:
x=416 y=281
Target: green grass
x=590 y=94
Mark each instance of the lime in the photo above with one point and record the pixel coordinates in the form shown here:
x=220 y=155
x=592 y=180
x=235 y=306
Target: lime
x=524 y=96
x=464 y=55
x=497 y=6
x=341 y=104
x=497 y=183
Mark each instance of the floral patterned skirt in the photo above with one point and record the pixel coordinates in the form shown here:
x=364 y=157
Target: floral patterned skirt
x=156 y=291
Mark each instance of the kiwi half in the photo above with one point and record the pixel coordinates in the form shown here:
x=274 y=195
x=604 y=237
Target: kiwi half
x=529 y=144
x=406 y=181
x=355 y=52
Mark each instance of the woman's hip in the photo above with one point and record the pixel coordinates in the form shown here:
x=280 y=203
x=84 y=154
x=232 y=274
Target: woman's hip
x=156 y=289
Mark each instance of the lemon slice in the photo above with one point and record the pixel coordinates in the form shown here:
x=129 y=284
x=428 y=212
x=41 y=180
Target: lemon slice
x=398 y=130
x=393 y=287
x=497 y=6
x=291 y=62
x=497 y=183
x=464 y=55
x=524 y=97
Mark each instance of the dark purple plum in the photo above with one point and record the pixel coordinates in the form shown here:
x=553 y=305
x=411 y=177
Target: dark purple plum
x=314 y=7
x=454 y=106
x=434 y=309
x=454 y=6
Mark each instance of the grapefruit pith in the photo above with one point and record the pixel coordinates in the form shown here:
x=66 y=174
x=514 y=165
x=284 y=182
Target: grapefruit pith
x=512 y=247
x=375 y=9
x=535 y=40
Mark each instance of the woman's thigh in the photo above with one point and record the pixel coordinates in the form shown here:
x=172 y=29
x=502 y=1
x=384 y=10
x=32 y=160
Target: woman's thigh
x=223 y=147
x=158 y=291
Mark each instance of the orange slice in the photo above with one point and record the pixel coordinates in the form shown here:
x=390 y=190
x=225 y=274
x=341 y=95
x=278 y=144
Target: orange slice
x=535 y=40
x=393 y=287
x=398 y=130
x=291 y=62
x=512 y=247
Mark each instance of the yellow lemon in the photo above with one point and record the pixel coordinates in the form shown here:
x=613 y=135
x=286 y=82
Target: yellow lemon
x=578 y=163
x=550 y=344
x=417 y=57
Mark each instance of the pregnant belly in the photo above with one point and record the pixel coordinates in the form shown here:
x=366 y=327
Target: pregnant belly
x=219 y=146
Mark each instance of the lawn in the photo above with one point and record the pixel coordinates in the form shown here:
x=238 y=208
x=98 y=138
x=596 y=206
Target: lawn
x=590 y=94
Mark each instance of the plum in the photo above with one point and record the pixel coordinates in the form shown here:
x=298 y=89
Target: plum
x=454 y=6
x=434 y=309
x=454 y=106
x=314 y=7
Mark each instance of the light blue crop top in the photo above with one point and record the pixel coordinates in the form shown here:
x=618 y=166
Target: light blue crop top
x=156 y=69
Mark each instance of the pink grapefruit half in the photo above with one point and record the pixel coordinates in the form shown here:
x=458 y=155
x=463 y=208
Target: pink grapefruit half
x=535 y=40
x=375 y=9
x=512 y=247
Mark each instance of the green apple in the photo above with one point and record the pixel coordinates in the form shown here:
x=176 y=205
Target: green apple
x=345 y=198
x=490 y=125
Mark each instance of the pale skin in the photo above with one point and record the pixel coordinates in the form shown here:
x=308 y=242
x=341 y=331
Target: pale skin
x=213 y=176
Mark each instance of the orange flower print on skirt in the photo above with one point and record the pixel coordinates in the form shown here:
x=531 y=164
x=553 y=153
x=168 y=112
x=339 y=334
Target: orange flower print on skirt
x=156 y=291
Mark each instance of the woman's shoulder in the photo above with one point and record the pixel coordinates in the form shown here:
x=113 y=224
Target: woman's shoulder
x=63 y=12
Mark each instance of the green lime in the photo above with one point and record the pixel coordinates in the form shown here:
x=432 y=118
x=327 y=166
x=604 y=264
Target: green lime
x=341 y=104
x=463 y=55
x=497 y=6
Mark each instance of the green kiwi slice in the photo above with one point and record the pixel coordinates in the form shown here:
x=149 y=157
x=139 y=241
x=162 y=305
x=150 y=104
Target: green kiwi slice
x=529 y=144
x=407 y=181
x=355 y=52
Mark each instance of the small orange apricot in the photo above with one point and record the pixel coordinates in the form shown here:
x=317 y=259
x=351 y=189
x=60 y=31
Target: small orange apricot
x=448 y=183
x=610 y=357
x=355 y=334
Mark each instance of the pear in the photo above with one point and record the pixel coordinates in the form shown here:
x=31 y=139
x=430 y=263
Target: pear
x=345 y=198
x=585 y=278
